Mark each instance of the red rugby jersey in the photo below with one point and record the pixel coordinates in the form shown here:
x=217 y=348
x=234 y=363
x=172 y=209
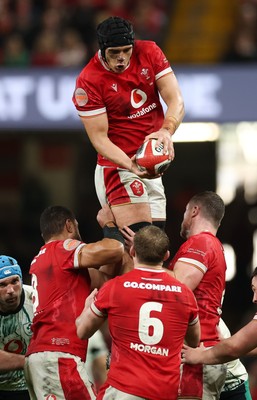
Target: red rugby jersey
x=130 y=99
x=59 y=293
x=148 y=313
x=206 y=253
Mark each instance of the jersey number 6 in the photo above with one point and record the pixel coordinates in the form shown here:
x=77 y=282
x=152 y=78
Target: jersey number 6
x=150 y=329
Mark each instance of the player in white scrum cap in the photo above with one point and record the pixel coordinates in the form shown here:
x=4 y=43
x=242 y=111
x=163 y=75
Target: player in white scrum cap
x=16 y=313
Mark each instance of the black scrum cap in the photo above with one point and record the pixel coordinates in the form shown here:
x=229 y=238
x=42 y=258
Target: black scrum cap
x=114 y=32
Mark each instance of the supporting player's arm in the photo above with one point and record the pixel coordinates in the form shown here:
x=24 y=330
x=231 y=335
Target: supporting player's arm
x=11 y=361
x=88 y=322
x=187 y=274
x=105 y=251
x=104 y=273
x=228 y=349
x=192 y=337
x=105 y=257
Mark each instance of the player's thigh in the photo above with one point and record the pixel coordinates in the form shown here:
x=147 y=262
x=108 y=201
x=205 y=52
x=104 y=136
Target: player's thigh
x=156 y=198
x=112 y=393
x=29 y=378
x=132 y=199
x=154 y=209
x=125 y=193
x=130 y=214
x=214 y=377
x=117 y=186
x=58 y=374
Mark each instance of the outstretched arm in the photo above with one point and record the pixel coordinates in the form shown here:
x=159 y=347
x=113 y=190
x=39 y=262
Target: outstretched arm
x=229 y=349
x=105 y=251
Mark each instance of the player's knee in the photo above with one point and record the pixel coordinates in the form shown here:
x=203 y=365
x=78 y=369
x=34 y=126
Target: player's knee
x=138 y=225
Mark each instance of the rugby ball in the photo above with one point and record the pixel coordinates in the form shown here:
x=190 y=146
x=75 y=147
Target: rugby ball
x=152 y=159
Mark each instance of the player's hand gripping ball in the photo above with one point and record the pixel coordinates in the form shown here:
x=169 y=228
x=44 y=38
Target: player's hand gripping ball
x=152 y=159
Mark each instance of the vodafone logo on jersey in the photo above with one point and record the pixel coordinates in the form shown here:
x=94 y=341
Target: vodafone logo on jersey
x=51 y=397
x=138 y=98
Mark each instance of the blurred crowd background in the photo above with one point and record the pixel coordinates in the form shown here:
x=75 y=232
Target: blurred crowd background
x=61 y=34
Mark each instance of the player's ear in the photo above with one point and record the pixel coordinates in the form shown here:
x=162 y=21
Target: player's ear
x=69 y=225
x=195 y=210
x=166 y=255
x=132 y=251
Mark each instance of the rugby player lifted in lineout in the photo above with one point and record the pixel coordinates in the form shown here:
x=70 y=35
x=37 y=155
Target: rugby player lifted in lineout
x=117 y=98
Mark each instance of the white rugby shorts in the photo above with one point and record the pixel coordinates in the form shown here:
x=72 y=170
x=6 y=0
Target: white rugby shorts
x=202 y=382
x=117 y=186
x=55 y=375
x=114 y=394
